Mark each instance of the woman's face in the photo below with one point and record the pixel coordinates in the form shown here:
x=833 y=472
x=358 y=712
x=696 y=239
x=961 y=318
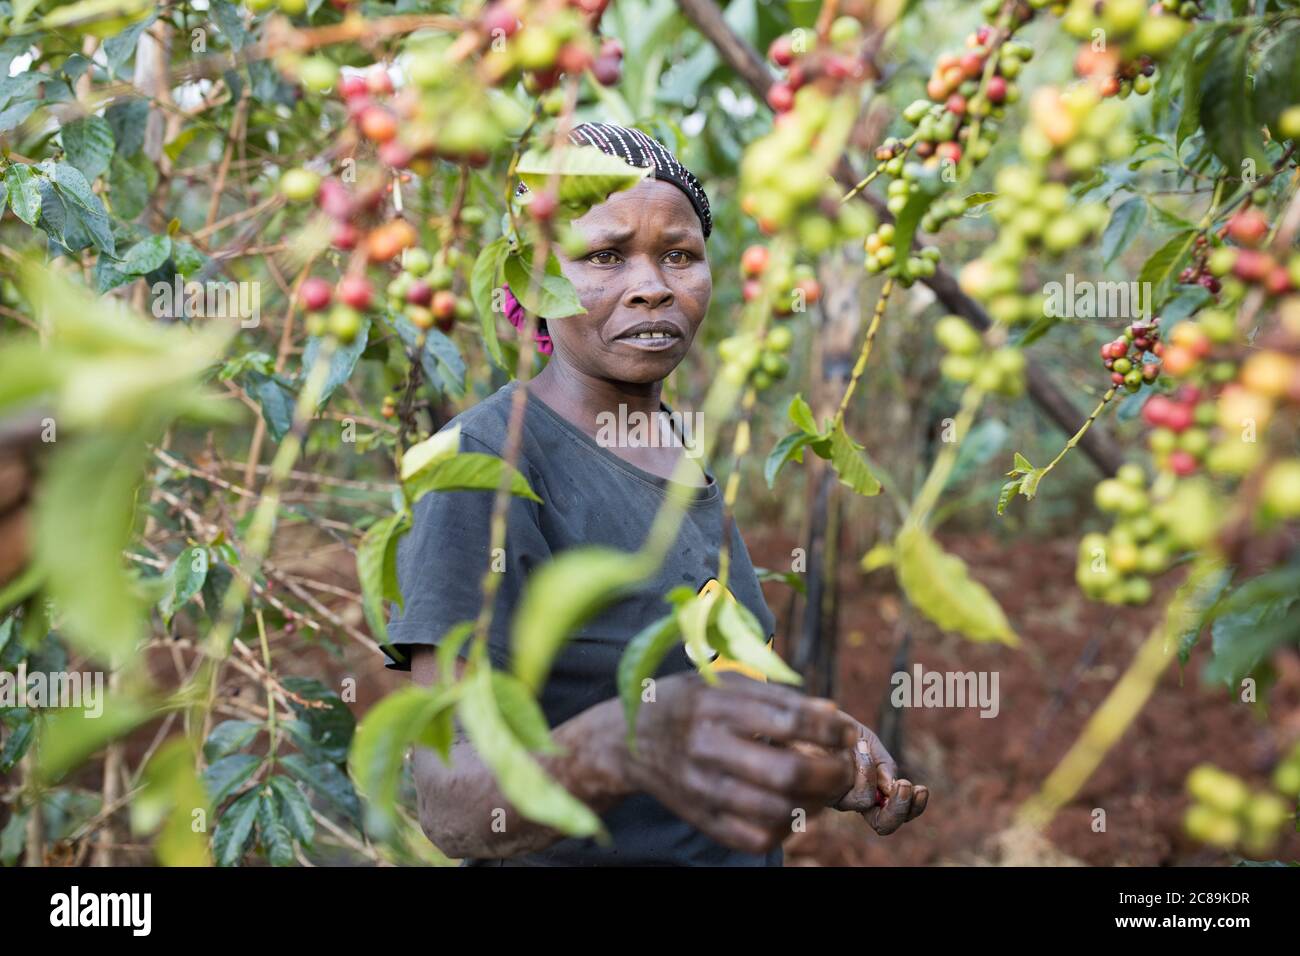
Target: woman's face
x=645 y=270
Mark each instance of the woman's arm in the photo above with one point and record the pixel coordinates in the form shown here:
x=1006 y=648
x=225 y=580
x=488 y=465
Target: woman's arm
x=698 y=752
x=459 y=803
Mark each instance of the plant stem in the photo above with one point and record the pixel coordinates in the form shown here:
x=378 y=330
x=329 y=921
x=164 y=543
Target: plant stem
x=270 y=690
x=739 y=448
x=941 y=470
x=861 y=364
x=1110 y=393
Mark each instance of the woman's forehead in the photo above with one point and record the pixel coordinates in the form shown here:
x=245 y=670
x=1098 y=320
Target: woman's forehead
x=650 y=204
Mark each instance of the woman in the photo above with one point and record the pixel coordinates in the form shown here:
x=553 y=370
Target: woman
x=719 y=774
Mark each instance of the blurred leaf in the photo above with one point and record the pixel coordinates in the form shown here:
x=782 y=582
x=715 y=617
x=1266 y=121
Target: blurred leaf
x=1277 y=82
x=529 y=788
x=342 y=362
x=275 y=836
x=1163 y=264
x=377 y=570
x=468 y=471
x=424 y=455
x=1243 y=639
x=640 y=661
x=743 y=640
x=295 y=811
x=939 y=586
x=846 y=459
x=170 y=796
x=1232 y=128
x=482 y=285
x=554 y=299
x=379 y=749
x=586 y=177
x=329 y=720
x=789 y=448
x=522 y=712
x=559 y=597
x=1125 y=224
x=68 y=736
x=146 y=255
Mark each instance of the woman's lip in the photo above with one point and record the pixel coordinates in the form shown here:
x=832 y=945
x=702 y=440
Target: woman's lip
x=650 y=345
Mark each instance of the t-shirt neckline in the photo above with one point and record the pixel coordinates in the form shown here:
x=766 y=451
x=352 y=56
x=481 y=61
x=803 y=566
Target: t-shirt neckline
x=703 y=494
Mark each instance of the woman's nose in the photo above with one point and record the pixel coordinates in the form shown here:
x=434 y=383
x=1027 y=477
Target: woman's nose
x=648 y=291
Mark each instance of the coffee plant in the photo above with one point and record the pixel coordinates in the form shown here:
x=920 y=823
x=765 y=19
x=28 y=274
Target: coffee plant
x=254 y=258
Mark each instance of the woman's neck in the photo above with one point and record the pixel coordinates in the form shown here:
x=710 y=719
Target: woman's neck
x=582 y=398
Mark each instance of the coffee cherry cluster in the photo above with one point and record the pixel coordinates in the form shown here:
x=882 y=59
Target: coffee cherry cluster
x=797 y=289
x=1180 y=439
x=423 y=291
x=1001 y=371
x=759 y=362
x=784 y=181
x=540 y=42
x=881 y=256
x=1249 y=263
x=960 y=92
x=1116 y=567
x=1198 y=272
x=1225 y=814
x=1134 y=39
x=1125 y=357
x=830 y=65
x=1070 y=132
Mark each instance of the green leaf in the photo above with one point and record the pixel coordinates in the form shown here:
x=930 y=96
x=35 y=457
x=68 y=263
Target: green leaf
x=424 y=455
x=468 y=471
x=185 y=579
x=327 y=718
x=1232 y=129
x=560 y=596
x=294 y=809
x=89 y=144
x=224 y=776
x=939 y=586
x=235 y=830
x=1193 y=79
x=850 y=465
x=586 y=176
x=1163 y=264
x=1277 y=82
x=276 y=401
x=328 y=782
x=379 y=748
x=129 y=186
x=227 y=737
x=743 y=640
x=146 y=255
x=789 y=448
x=555 y=299
x=342 y=362
x=1244 y=638
x=483 y=283
x=529 y=788
x=640 y=661
x=1125 y=224
x=81 y=203
x=275 y=836
x=24 y=193
x=802 y=416
x=522 y=712
x=377 y=569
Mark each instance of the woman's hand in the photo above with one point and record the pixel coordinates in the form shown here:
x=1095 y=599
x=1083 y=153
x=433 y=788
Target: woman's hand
x=885 y=801
x=699 y=753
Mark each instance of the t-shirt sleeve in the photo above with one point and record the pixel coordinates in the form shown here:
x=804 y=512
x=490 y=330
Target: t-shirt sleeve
x=441 y=562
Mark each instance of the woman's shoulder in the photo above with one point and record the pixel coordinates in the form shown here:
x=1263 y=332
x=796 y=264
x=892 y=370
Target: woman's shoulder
x=486 y=422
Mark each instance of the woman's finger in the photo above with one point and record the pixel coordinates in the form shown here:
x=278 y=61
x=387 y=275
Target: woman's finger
x=781 y=770
x=785 y=717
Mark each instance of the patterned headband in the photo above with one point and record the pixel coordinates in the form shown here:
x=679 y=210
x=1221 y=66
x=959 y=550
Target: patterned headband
x=637 y=149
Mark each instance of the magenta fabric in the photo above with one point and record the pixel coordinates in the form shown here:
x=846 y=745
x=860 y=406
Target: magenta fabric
x=517 y=316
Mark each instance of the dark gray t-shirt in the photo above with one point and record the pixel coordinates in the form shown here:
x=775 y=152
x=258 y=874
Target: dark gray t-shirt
x=591 y=497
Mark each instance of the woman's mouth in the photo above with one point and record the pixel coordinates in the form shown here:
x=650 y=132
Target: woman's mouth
x=651 y=337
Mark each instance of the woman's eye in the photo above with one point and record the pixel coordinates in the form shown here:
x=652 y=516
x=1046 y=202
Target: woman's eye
x=603 y=258
x=679 y=256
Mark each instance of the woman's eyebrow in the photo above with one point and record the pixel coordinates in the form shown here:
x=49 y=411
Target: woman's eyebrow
x=617 y=237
